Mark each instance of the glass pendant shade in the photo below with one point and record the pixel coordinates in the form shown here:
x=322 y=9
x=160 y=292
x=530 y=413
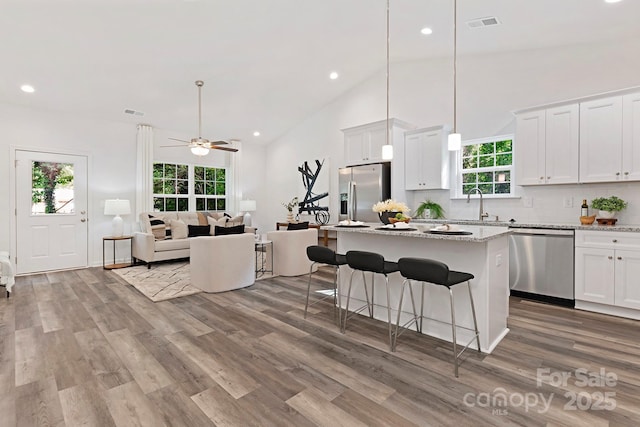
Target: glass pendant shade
x=387 y=152
x=199 y=150
x=454 y=142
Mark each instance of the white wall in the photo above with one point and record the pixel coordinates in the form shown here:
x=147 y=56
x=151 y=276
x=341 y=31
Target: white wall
x=489 y=89
x=111 y=150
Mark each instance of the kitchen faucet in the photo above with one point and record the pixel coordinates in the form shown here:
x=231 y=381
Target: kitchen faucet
x=482 y=215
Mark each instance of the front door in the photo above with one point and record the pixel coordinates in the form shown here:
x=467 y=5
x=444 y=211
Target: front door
x=51 y=211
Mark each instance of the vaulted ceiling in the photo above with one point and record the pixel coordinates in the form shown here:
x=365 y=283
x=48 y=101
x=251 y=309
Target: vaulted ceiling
x=265 y=63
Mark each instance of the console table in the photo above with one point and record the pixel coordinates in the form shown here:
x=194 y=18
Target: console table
x=325 y=235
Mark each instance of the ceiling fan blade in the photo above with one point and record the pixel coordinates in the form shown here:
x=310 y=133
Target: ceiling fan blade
x=181 y=140
x=167 y=146
x=219 y=142
x=217 y=147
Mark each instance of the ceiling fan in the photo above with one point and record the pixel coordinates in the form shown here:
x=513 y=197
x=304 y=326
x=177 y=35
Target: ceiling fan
x=200 y=146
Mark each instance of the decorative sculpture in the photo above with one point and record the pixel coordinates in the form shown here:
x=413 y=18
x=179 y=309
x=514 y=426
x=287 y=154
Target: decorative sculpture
x=311 y=201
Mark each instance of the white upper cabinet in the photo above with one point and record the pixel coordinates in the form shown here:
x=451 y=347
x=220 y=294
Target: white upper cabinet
x=426 y=159
x=592 y=139
x=547 y=146
x=601 y=140
x=562 y=142
x=530 y=148
x=631 y=137
x=363 y=144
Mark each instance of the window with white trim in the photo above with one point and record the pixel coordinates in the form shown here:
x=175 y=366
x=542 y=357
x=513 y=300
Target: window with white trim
x=185 y=187
x=487 y=164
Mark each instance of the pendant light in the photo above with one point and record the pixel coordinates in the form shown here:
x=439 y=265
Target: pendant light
x=455 y=139
x=387 y=149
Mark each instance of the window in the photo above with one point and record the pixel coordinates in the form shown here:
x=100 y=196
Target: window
x=51 y=188
x=488 y=165
x=183 y=187
x=210 y=189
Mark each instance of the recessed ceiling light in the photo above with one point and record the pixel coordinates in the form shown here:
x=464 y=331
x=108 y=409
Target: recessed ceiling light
x=333 y=75
x=27 y=88
x=256 y=133
x=612 y=1
x=426 y=31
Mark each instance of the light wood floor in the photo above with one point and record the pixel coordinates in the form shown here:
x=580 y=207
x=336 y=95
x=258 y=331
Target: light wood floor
x=83 y=348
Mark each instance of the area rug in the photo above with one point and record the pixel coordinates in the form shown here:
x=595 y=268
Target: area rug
x=165 y=280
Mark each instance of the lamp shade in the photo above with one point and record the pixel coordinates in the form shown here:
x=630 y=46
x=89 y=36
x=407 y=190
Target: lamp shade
x=387 y=152
x=117 y=207
x=454 y=142
x=247 y=205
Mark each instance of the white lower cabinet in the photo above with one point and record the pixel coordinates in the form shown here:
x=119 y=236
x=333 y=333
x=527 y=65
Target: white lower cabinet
x=607 y=272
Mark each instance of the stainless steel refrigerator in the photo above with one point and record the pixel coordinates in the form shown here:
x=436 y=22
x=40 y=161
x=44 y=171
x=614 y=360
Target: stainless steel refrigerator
x=360 y=187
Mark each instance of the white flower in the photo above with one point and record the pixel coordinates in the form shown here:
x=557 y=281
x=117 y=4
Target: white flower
x=390 y=205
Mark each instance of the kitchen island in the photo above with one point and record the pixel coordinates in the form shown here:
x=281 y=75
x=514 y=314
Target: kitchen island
x=483 y=253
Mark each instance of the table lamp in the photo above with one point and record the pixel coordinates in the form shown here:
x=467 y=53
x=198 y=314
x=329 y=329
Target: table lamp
x=117 y=207
x=247 y=206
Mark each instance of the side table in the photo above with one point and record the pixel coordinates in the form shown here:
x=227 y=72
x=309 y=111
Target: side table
x=114 y=240
x=261 y=248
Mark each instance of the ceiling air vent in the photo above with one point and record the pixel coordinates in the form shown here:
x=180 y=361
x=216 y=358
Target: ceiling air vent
x=483 y=22
x=133 y=112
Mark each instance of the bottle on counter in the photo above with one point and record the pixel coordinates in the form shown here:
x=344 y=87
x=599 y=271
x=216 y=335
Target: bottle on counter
x=584 y=209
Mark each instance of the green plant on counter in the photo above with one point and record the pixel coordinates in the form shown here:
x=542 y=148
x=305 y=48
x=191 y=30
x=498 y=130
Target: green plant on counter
x=435 y=209
x=610 y=204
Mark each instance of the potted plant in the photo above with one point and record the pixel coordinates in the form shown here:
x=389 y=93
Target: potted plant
x=608 y=206
x=389 y=208
x=431 y=209
x=292 y=204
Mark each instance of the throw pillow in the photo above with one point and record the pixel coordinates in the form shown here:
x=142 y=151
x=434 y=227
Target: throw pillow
x=236 y=220
x=158 y=227
x=198 y=230
x=179 y=229
x=202 y=218
x=216 y=223
x=298 y=225
x=223 y=231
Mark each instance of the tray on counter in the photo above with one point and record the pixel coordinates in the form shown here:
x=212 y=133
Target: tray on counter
x=450 y=232
x=396 y=229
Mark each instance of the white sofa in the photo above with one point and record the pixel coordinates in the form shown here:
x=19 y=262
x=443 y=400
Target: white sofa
x=148 y=248
x=222 y=263
x=290 y=251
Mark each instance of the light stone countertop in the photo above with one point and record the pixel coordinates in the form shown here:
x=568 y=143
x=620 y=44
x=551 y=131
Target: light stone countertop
x=559 y=226
x=480 y=233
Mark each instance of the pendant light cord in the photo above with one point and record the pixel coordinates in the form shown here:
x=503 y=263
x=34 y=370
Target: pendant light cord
x=387 y=133
x=455 y=66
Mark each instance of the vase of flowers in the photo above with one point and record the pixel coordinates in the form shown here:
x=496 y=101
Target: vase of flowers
x=389 y=209
x=292 y=204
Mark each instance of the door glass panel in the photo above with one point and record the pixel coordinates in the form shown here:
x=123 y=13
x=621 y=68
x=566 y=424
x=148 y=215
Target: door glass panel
x=52 y=188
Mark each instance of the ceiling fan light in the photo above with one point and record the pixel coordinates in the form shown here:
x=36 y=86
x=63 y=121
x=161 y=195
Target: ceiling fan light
x=199 y=150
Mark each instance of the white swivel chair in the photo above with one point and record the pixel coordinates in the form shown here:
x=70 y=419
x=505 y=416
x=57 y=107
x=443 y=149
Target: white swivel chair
x=223 y=263
x=290 y=251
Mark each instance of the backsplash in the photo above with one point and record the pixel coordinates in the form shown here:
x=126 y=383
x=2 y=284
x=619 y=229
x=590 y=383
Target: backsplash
x=547 y=203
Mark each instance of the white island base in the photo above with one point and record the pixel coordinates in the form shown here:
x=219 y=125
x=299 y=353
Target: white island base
x=485 y=254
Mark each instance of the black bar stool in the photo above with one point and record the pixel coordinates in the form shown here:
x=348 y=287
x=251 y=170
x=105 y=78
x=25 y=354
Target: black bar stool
x=375 y=263
x=437 y=273
x=324 y=255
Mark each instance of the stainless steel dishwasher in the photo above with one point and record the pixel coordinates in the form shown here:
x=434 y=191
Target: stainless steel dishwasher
x=541 y=264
